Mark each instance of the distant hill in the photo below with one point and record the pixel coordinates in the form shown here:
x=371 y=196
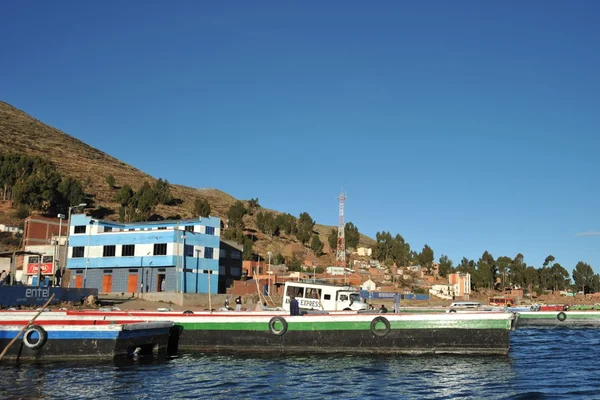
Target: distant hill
x=21 y=133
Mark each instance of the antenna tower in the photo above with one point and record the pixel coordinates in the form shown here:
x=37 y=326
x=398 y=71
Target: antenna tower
x=340 y=254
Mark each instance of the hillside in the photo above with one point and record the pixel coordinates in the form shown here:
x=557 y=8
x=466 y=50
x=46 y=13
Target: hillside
x=21 y=133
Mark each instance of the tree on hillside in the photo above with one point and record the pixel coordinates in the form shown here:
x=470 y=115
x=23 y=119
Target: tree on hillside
x=201 y=208
x=504 y=263
x=253 y=205
x=517 y=270
x=559 y=277
x=316 y=245
x=544 y=276
x=286 y=223
x=235 y=215
x=278 y=259
x=123 y=197
x=70 y=193
x=37 y=187
x=383 y=246
x=267 y=223
x=400 y=251
x=426 y=258
x=305 y=227
x=582 y=275
x=110 y=180
x=595 y=285
x=549 y=261
x=485 y=274
x=248 y=252
x=352 y=236
x=466 y=266
x=332 y=239
x=445 y=265
x=142 y=203
x=236 y=235
x=293 y=263
x=162 y=192
x=531 y=278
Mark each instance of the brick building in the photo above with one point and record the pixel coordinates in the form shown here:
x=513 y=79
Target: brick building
x=39 y=231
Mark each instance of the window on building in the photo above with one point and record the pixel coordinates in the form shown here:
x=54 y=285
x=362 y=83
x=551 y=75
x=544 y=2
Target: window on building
x=160 y=249
x=236 y=255
x=107 y=271
x=188 y=250
x=208 y=252
x=78 y=251
x=47 y=259
x=128 y=250
x=34 y=260
x=222 y=253
x=210 y=230
x=80 y=228
x=133 y=270
x=162 y=228
x=109 y=251
x=189 y=228
x=108 y=229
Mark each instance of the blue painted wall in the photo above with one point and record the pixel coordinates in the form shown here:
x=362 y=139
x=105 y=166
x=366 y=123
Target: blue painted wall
x=191 y=277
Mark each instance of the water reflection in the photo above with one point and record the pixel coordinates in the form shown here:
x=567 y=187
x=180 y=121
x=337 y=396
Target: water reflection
x=542 y=363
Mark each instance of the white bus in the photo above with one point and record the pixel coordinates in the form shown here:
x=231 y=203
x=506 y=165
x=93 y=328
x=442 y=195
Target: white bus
x=315 y=296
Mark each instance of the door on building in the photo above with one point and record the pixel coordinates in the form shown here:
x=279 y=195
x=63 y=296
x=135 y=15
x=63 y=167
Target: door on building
x=107 y=283
x=160 y=287
x=132 y=283
x=79 y=281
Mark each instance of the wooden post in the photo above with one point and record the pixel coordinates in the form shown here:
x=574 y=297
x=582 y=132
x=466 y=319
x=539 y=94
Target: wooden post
x=26 y=326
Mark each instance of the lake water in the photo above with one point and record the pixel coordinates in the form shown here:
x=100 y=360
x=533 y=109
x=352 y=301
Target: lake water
x=542 y=364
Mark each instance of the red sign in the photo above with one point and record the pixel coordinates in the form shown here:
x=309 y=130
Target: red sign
x=47 y=269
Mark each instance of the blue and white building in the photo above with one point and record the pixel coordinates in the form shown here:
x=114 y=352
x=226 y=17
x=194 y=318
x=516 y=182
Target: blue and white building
x=172 y=256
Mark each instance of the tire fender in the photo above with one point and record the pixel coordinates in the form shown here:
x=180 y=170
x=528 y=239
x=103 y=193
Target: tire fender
x=380 y=332
x=42 y=337
x=274 y=330
x=561 y=316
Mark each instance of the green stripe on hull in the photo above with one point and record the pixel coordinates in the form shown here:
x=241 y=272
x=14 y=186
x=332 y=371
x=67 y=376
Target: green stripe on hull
x=348 y=325
x=554 y=315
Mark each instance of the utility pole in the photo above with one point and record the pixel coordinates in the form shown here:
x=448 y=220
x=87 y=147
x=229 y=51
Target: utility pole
x=340 y=254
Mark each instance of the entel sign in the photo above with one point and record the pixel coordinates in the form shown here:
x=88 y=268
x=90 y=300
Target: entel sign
x=37 y=292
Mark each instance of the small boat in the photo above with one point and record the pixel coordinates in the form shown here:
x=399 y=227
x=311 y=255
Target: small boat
x=549 y=319
x=66 y=339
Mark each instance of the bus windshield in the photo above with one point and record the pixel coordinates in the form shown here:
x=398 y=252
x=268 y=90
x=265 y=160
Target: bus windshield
x=501 y=301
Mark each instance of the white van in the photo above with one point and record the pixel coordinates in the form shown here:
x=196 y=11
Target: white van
x=467 y=306
x=314 y=296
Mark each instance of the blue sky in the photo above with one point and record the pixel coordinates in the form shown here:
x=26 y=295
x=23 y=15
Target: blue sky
x=468 y=125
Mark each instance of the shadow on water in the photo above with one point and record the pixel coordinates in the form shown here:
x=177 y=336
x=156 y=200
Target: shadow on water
x=542 y=364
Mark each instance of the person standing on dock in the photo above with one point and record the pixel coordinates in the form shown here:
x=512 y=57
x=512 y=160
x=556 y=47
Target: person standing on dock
x=397 y=303
x=57 y=277
x=238 y=303
x=294 y=306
